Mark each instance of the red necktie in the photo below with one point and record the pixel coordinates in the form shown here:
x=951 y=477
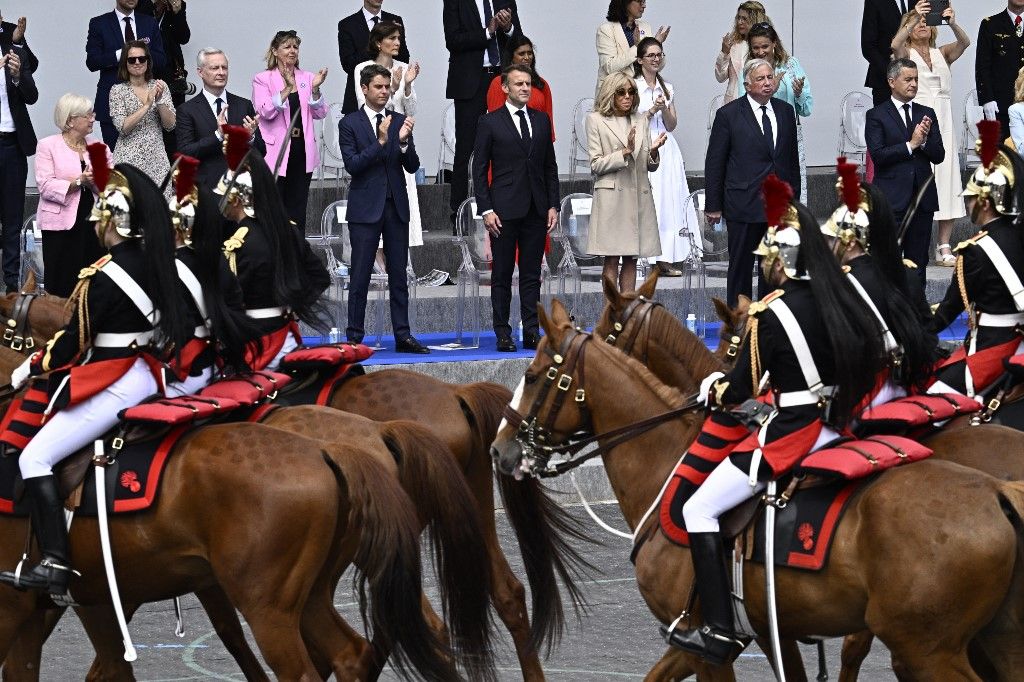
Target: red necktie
x=1016 y=25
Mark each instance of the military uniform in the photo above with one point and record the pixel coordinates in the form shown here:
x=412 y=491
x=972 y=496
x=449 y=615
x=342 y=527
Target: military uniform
x=1000 y=55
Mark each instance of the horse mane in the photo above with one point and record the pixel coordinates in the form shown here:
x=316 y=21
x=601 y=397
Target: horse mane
x=688 y=348
x=672 y=397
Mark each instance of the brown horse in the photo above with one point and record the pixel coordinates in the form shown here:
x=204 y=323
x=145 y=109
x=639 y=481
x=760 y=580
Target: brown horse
x=647 y=330
x=925 y=599
x=264 y=515
x=465 y=418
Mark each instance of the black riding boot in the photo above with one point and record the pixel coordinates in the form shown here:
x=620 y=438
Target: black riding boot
x=50 y=575
x=715 y=641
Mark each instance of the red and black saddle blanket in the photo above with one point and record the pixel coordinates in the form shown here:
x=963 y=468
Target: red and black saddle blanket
x=914 y=411
x=317 y=373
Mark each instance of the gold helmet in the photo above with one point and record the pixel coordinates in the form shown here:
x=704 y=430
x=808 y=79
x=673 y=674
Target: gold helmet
x=113 y=206
x=782 y=240
x=183 y=204
x=236 y=184
x=849 y=224
x=994 y=180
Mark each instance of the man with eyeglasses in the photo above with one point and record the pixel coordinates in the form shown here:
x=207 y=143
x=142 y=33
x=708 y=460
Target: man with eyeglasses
x=752 y=137
x=17 y=139
x=107 y=35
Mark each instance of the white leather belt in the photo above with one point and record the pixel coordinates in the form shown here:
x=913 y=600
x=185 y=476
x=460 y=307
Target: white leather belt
x=1005 y=320
x=125 y=340
x=264 y=313
x=201 y=332
x=798 y=398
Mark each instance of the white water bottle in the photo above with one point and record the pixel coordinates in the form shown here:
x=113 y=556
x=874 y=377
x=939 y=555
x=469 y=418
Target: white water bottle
x=334 y=336
x=691 y=323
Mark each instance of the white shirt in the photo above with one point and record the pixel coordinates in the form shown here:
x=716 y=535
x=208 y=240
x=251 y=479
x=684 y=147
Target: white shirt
x=771 y=117
x=483 y=22
x=212 y=99
x=6 y=119
x=900 y=111
x=369 y=18
x=515 y=117
x=1013 y=17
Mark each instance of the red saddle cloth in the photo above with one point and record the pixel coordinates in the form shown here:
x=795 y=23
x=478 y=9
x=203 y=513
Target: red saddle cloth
x=182 y=410
x=855 y=459
x=330 y=355
x=920 y=410
x=246 y=390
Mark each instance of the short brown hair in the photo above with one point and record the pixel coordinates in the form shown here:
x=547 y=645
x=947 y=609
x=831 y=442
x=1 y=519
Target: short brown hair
x=381 y=31
x=122 y=64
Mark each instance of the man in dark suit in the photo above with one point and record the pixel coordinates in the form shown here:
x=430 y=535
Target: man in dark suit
x=107 y=36
x=475 y=33
x=354 y=38
x=520 y=202
x=200 y=119
x=752 y=137
x=999 y=57
x=903 y=138
x=17 y=140
x=376 y=145
x=878 y=27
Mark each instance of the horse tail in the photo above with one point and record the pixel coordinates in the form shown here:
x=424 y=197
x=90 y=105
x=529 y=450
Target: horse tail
x=388 y=566
x=483 y=403
x=430 y=475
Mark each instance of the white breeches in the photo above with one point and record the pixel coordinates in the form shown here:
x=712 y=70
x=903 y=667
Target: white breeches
x=890 y=391
x=290 y=344
x=726 y=487
x=74 y=427
x=191 y=385
x=942 y=387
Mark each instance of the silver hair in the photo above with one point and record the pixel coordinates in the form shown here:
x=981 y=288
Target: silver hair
x=752 y=64
x=70 y=105
x=207 y=52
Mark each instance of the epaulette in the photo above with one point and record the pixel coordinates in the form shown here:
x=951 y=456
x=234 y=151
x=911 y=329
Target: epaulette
x=760 y=306
x=970 y=241
x=910 y=264
x=236 y=240
x=91 y=270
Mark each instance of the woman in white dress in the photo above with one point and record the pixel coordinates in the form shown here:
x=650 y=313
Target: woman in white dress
x=677 y=220
x=916 y=41
x=385 y=40
x=729 y=63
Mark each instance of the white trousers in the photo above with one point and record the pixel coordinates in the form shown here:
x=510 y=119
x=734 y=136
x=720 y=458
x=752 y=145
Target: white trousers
x=726 y=487
x=290 y=344
x=73 y=428
x=191 y=385
x=890 y=391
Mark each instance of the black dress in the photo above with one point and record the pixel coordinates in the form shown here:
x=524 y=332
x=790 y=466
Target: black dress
x=66 y=252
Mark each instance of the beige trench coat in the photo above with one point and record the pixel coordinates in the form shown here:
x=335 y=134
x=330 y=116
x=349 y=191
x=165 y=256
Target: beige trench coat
x=613 y=50
x=623 y=221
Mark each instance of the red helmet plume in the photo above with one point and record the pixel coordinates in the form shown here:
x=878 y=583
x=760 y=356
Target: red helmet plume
x=988 y=141
x=185 y=176
x=777 y=195
x=850 y=183
x=236 y=144
x=98 y=160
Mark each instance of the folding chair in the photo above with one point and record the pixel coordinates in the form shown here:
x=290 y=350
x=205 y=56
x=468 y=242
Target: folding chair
x=31 y=253
x=713 y=107
x=579 y=155
x=853 y=110
x=446 y=149
x=973 y=112
x=332 y=166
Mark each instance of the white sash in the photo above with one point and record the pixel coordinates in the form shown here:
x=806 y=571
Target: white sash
x=1005 y=270
x=191 y=282
x=132 y=290
x=799 y=343
x=887 y=337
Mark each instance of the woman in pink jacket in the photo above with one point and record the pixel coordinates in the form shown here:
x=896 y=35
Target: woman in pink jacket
x=66 y=194
x=277 y=94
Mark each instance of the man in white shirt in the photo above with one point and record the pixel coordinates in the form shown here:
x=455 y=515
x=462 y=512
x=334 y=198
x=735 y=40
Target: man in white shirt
x=353 y=39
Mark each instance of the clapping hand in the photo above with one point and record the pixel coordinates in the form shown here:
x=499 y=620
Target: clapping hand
x=396 y=78
x=726 y=43
x=19 y=31
x=85 y=178
x=13 y=63
x=504 y=19
x=412 y=72
x=662 y=35
x=630 y=142
x=158 y=89
x=921 y=132
x=658 y=142
x=250 y=124
x=318 y=79
x=798 y=85
x=406 y=130
x=659 y=104
x=382 y=131
x=288 y=74
x=222 y=117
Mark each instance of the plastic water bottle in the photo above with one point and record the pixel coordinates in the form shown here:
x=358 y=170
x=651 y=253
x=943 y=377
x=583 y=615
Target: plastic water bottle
x=520 y=332
x=334 y=336
x=421 y=176
x=691 y=323
x=572 y=226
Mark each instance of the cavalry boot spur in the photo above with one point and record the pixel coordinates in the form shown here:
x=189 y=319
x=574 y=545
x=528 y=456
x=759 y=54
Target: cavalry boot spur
x=50 y=575
x=715 y=641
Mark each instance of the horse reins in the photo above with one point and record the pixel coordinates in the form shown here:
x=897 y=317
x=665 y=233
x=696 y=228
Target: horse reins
x=18 y=334
x=535 y=439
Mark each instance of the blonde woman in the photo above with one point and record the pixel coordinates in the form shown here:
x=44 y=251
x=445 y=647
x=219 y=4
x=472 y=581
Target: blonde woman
x=623 y=222
x=617 y=38
x=916 y=41
x=1015 y=113
x=729 y=63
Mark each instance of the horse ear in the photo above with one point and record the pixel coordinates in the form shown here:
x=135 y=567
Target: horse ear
x=649 y=286
x=29 y=287
x=723 y=311
x=611 y=292
x=559 y=315
x=544 y=321
x=743 y=305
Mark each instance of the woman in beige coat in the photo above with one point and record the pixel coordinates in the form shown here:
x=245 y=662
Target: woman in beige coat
x=617 y=38
x=623 y=222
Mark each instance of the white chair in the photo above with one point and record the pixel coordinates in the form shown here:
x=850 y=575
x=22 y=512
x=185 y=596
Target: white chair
x=713 y=107
x=579 y=155
x=335 y=251
x=710 y=256
x=973 y=112
x=331 y=163
x=853 y=110
x=31 y=253
x=446 y=150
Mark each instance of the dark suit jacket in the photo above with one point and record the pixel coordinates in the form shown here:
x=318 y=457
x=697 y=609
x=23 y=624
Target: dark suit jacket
x=175 y=32
x=375 y=169
x=898 y=173
x=105 y=38
x=523 y=174
x=466 y=40
x=878 y=27
x=353 y=39
x=196 y=130
x=999 y=55
x=24 y=94
x=739 y=158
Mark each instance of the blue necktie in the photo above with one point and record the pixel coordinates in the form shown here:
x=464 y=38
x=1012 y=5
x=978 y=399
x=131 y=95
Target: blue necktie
x=492 y=44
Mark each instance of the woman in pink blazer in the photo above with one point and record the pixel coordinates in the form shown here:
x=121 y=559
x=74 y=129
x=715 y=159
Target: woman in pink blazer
x=277 y=93
x=66 y=194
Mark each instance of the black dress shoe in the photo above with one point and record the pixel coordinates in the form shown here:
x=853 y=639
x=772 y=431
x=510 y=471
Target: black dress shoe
x=410 y=345
x=354 y=339
x=531 y=338
x=506 y=344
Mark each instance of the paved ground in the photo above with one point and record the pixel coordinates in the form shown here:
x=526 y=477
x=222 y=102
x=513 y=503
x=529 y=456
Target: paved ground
x=617 y=641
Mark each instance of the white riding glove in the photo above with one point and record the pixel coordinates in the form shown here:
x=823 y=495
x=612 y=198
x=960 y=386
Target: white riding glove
x=705 y=386
x=21 y=374
x=990 y=109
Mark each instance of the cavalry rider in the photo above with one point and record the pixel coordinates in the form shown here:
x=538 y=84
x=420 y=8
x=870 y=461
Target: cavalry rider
x=222 y=330
x=820 y=345
x=865 y=243
x=106 y=358
x=987 y=278
x=281 y=278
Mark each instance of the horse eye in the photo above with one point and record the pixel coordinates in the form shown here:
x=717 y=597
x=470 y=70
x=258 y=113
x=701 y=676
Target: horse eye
x=529 y=378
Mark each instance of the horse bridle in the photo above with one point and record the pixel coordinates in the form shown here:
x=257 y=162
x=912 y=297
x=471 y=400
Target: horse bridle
x=17 y=333
x=536 y=440
x=634 y=323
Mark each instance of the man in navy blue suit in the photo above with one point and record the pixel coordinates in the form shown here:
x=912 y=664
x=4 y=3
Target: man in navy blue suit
x=107 y=35
x=519 y=203
x=376 y=146
x=752 y=136
x=904 y=141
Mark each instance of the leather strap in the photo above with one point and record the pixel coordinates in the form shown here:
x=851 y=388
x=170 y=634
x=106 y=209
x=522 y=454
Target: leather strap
x=1006 y=271
x=887 y=337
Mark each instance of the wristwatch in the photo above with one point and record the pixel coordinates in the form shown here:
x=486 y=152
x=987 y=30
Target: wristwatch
x=78 y=182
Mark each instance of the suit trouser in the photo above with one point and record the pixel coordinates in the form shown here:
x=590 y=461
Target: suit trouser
x=365 y=237
x=743 y=239
x=109 y=133
x=917 y=240
x=467 y=115
x=529 y=235
x=13 y=171
x=293 y=183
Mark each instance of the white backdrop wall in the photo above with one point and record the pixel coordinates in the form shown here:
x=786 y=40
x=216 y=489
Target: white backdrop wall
x=825 y=36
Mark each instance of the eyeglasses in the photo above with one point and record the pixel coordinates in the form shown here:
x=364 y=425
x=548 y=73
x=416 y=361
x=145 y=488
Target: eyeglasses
x=622 y=92
x=654 y=55
x=138 y=60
